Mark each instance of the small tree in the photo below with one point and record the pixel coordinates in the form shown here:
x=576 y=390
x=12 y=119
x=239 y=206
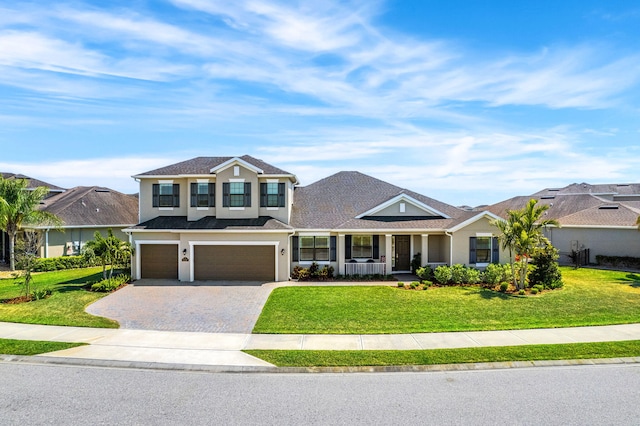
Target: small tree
x=26 y=256
x=111 y=251
x=545 y=266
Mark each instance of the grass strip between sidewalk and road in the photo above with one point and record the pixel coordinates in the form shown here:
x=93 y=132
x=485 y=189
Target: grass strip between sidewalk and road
x=370 y=358
x=33 y=347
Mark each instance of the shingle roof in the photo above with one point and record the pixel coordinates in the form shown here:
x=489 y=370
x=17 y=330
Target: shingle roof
x=211 y=223
x=611 y=189
x=31 y=182
x=203 y=166
x=335 y=201
x=93 y=206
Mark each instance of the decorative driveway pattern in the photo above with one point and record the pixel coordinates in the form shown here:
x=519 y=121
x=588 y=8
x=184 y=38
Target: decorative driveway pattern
x=220 y=307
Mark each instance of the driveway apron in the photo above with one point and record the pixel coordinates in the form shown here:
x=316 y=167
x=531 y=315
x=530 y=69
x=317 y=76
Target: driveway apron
x=225 y=307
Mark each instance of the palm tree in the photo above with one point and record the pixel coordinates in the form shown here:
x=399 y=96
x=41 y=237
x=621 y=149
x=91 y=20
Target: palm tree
x=19 y=207
x=110 y=250
x=522 y=233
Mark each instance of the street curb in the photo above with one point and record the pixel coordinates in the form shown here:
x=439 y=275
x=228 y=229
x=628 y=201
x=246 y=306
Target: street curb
x=80 y=362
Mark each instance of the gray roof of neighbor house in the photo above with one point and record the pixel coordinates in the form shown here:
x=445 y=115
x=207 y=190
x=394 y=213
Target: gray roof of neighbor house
x=212 y=223
x=32 y=183
x=583 y=204
x=335 y=201
x=203 y=166
x=93 y=206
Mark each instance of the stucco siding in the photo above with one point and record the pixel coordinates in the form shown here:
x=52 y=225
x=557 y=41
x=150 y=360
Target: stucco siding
x=67 y=243
x=607 y=242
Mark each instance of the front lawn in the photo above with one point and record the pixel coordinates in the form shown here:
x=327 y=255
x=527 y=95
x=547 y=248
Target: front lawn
x=301 y=358
x=64 y=307
x=590 y=297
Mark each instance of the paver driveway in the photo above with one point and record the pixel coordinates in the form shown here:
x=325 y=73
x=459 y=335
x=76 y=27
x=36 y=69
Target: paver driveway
x=223 y=307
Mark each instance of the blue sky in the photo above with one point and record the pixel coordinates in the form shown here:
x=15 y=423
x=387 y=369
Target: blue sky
x=468 y=102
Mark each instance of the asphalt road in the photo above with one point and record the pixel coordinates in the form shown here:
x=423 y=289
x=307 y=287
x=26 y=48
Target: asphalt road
x=61 y=395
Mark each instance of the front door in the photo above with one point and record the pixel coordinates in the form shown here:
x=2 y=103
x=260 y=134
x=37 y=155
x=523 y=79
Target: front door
x=402 y=252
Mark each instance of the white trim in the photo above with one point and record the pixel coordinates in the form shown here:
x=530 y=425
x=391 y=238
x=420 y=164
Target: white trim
x=236 y=208
x=273 y=180
x=272 y=208
x=139 y=258
x=405 y=198
x=475 y=219
x=165 y=181
x=229 y=163
x=192 y=244
x=484 y=234
x=166 y=209
x=313 y=234
x=202 y=208
x=202 y=180
x=120 y=227
x=236 y=180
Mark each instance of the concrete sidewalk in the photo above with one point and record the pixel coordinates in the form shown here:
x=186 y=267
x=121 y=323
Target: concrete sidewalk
x=225 y=349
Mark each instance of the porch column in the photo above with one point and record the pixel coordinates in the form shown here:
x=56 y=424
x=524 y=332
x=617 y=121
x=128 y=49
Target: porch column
x=425 y=249
x=340 y=254
x=388 y=252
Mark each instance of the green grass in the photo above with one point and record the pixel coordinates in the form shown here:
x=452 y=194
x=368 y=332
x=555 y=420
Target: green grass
x=64 y=307
x=590 y=297
x=32 y=347
x=300 y=358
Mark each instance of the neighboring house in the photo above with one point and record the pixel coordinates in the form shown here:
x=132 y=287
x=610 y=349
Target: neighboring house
x=32 y=184
x=597 y=218
x=85 y=210
x=239 y=218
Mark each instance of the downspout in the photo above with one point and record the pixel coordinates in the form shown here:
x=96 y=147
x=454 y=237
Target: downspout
x=450 y=247
x=289 y=254
x=46 y=243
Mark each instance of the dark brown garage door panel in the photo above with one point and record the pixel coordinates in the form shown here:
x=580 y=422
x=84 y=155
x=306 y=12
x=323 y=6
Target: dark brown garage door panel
x=234 y=263
x=159 y=261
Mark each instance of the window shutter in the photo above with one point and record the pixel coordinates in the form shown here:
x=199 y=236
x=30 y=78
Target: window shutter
x=347 y=246
x=263 y=195
x=495 y=250
x=247 y=194
x=332 y=249
x=194 y=194
x=376 y=246
x=472 y=250
x=156 y=195
x=294 y=249
x=225 y=194
x=176 y=195
x=281 y=196
x=212 y=195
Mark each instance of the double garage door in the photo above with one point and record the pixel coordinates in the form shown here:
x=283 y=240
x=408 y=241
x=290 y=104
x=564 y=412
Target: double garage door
x=211 y=262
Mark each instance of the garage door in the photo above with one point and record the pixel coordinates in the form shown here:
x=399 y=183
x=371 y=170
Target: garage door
x=159 y=261
x=234 y=263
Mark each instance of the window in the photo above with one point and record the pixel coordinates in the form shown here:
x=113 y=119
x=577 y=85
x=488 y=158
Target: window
x=272 y=194
x=203 y=194
x=361 y=247
x=236 y=194
x=483 y=250
x=314 y=248
x=166 y=195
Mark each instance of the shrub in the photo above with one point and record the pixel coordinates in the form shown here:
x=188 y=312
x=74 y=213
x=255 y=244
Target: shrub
x=471 y=276
x=493 y=274
x=427 y=283
x=534 y=291
x=504 y=286
x=425 y=272
x=400 y=284
x=415 y=263
x=41 y=293
x=545 y=271
x=313 y=272
x=414 y=284
x=442 y=274
x=618 y=261
x=111 y=284
x=521 y=292
x=458 y=274
x=63 y=262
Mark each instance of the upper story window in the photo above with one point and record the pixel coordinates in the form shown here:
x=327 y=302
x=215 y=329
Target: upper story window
x=166 y=195
x=272 y=194
x=236 y=194
x=203 y=194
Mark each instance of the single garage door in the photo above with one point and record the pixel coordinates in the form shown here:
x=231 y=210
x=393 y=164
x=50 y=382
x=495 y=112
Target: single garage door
x=159 y=261
x=234 y=263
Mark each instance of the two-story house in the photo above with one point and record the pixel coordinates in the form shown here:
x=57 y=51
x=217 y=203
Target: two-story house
x=239 y=218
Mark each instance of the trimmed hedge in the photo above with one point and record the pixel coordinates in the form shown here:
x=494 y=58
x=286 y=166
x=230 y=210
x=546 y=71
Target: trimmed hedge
x=63 y=262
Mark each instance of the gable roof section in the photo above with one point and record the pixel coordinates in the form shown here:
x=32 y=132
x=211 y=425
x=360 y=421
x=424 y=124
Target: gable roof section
x=84 y=206
x=429 y=211
x=337 y=201
x=236 y=160
x=201 y=166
